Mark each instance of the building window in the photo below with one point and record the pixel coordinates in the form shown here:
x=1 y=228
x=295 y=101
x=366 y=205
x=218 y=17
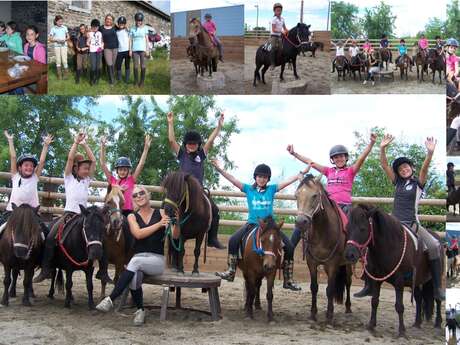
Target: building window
x=81 y=6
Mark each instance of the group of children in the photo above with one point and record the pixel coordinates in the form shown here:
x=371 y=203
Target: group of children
x=375 y=64
x=117 y=43
x=145 y=223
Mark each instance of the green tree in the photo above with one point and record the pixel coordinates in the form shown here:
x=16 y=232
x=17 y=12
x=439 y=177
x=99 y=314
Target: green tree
x=344 y=20
x=453 y=19
x=434 y=27
x=379 y=20
x=372 y=181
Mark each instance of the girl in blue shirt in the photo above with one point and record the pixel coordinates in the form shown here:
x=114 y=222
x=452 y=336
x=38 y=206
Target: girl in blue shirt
x=138 y=47
x=260 y=196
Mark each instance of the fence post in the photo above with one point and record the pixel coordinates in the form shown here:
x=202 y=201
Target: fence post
x=48 y=187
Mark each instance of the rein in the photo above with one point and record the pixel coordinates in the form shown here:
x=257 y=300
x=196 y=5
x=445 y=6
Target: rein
x=29 y=247
x=298 y=39
x=364 y=249
x=257 y=245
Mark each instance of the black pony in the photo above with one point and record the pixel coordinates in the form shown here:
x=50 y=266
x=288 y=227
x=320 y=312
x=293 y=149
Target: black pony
x=436 y=63
x=453 y=198
x=389 y=255
x=187 y=205
x=80 y=244
x=292 y=46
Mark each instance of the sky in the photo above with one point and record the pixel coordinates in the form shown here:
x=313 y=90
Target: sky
x=163 y=5
x=314 y=124
x=412 y=15
x=315 y=11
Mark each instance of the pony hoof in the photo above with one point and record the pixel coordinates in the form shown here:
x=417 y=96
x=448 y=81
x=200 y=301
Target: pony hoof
x=258 y=307
x=195 y=273
x=271 y=321
x=402 y=334
x=348 y=311
x=297 y=78
x=12 y=295
x=313 y=318
x=417 y=325
x=50 y=296
x=67 y=305
x=26 y=303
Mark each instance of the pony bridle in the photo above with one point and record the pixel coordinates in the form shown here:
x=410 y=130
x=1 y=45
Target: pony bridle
x=29 y=247
x=111 y=211
x=263 y=251
x=89 y=243
x=362 y=247
x=319 y=206
x=185 y=197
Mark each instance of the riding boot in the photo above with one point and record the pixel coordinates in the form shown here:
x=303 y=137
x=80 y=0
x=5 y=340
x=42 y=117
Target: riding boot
x=102 y=274
x=127 y=72
x=110 y=70
x=65 y=73
x=97 y=76
x=91 y=77
x=59 y=72
x=118 y=74
x=136 y=76
x=288 y=275
x=77 y=78
x=366 y=290
x=141 y=82
x=213 y=241
x=436 y=269
x=230 y=273
x=48 y=255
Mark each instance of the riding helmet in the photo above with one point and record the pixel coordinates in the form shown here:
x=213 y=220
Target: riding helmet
x=262 y=170
x=401 y=160
x=338 y=150
x=121 y=20
x=192 y=137
x=26 y=157
x=450 y=165
x=123 y=162
x=276 y=5
x=452 y=42
x=80 y=159
x=95 y=23
x=139 y=17
x=207 y=15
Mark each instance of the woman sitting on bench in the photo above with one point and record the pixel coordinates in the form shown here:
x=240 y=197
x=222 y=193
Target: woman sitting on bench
x=148 y=228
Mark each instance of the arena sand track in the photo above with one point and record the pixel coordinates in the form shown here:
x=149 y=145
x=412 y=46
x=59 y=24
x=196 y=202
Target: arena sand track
x=398 y=86
x=48 y=322
x=183 y=78
x=313 y=70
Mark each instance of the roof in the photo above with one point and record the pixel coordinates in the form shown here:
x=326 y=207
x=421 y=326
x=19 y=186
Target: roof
x=154 y=9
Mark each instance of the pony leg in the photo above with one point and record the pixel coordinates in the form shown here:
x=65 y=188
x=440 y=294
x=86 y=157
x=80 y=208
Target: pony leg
x=89 y=287
x=256 y=75
x=348 y=286
x=53 y=280
x=68 y=288
x=196 y=253
x=438 y=320
x=270 y=283
x=375 y=303
x=27 y=283
x=180 y=259
x=12 y=292
x=314 y=290
x=250 y=296
x=264 y=70
x=418 y=307
x=283 y=66
x=399 y=307
x=330 y=292
x=294 y=66
x=6 y=284
x=257 y=299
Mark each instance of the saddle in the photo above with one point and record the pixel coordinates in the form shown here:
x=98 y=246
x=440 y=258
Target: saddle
x=342 y=217
x=65 y=225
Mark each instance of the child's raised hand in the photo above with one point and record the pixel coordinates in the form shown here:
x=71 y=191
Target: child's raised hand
x=103 y=140
x=221 y=119
x=147 y=140
x=48 y=139
x=373 y=138
x=387 y=139
x=290 y=149
x=430 y=144
x=215 y=163
x=8 y=135
x=170 y=117
x=79 y=138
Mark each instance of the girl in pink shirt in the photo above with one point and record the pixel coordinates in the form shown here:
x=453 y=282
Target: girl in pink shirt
x=33 y=48
x=423 y=43
x=124 y=177
x=211 y=28
x=452 y=62
x=367 y=47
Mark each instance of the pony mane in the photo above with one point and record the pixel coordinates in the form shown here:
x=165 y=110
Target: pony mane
x=309 y=178
x=175 y=185
x=24 y=217
x=383 y=222
x=112 y=191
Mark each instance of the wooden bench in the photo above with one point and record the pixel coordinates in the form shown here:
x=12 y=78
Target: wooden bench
x=172 y=281
x=386 y=74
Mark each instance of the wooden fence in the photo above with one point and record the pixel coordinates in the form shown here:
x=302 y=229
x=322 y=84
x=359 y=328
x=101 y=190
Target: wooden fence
x=226 y=208
x=394 y=43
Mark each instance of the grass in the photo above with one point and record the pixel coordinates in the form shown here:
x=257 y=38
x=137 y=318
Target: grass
x=157 y=80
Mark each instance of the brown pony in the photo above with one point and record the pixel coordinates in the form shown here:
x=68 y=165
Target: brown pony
x=21 y=246
x=187 y=205
x=261 y=258
x=206 y=51
x=421 y=61
x=404 y=64
x=320 y=223
x=386 y=57
x=117 y=243
x=390 y=255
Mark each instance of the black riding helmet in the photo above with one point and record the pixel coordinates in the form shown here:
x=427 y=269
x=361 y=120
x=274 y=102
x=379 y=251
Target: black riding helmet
x=139 y=17
x=401 y=160
x=192 y=137
x=26 y=158
x=95 y=23
x=262 y=170
x=277 y=5
x=121 y=20
x=123 y=162
x=338 y=150
x=450 y=165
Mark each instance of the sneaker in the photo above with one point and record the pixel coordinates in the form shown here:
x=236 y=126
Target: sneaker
x=227 y=275
x=139 y=317
x=373 y=83
x=365 y=82
x=105 y=305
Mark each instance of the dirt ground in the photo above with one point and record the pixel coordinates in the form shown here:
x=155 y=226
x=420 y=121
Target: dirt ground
x=183 y=78
x=48 y=322
x=314 y=70
x=397 y=86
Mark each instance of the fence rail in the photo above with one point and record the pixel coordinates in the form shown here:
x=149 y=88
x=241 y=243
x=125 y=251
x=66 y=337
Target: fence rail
x=226 y=208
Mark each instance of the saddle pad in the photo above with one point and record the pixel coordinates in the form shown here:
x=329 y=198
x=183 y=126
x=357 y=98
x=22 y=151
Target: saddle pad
x=244 y=241
x=69 y=224
x=412 y=235
x=343 y=217
x=267 y=46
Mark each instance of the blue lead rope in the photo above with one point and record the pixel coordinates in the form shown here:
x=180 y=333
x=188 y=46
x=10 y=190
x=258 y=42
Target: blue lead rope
x=255 y=249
